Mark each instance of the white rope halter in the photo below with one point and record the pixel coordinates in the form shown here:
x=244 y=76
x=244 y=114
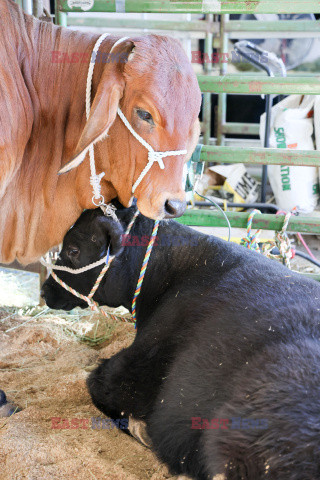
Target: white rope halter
x=51 y=266
x=106 y=259
x=153 y=156
x=95 y=179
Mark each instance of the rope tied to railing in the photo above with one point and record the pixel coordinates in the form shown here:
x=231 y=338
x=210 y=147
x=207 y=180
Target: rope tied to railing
x=281 y=241
x=250 y=240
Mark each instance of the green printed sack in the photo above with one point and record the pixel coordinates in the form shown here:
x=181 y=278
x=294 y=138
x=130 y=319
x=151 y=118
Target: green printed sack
x=291 y=127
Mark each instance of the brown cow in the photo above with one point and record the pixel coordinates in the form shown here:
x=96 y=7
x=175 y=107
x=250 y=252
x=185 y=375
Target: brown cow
x=42 y=127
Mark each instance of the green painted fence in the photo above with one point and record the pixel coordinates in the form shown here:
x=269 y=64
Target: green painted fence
x=195 y=6
x=213 y=218
x=259 y=156
x=257 y=84
x=279 y=27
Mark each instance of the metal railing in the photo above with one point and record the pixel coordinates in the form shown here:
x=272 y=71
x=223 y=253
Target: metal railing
x=218 y=32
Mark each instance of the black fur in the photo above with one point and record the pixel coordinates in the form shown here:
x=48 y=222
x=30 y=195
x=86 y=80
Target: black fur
x=3 y=398
x=222 y=333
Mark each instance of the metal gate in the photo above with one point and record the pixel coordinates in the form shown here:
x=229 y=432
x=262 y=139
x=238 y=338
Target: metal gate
x=219 y=29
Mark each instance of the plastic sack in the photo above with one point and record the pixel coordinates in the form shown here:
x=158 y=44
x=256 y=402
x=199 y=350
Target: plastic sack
x=317 y=125
x=291 y=127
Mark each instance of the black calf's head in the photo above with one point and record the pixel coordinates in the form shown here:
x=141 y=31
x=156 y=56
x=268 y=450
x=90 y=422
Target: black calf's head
x=85 y=243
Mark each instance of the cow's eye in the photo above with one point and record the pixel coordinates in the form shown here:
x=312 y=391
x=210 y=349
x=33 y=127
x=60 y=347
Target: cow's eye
x=93 y=238
x=146 y=116
x=73 y=252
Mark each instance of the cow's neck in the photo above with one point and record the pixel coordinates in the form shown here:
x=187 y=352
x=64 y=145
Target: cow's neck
x=169 y=265
x=37 y=217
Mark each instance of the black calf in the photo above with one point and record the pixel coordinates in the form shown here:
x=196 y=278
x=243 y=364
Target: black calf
x=224 y=368
x=7 y=408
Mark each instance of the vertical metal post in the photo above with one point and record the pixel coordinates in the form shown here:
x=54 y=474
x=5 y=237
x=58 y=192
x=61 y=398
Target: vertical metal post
x=222 y=97
x=266 y=145
x=188 y=40
x=37 y=8
x=207 y=96
x=27 y=6
x=60 y=17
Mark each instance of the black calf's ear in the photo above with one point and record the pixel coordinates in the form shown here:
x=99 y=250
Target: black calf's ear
x=114 y=231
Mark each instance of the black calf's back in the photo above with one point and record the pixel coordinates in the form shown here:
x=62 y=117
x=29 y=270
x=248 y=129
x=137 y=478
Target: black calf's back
x=224 y=368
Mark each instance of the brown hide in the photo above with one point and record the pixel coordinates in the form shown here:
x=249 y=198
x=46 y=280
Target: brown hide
x=43 y=127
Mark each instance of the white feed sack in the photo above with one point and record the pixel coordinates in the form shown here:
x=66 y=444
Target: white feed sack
x=291 y=127
x=317 y=125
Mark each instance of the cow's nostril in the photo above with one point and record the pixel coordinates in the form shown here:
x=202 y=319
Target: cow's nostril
x=174 y=208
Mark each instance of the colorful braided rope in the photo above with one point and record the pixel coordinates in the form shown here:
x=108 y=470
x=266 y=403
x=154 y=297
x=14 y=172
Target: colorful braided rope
x=250 y=240
x=281 y=241
x=91 y=303
x=143 y=270
x=100 y=276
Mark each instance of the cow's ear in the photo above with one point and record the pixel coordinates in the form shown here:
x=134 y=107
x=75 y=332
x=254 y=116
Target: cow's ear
x=104 y=107
x=113 y=232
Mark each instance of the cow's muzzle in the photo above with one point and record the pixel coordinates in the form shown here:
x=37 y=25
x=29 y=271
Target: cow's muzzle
x=174 y=208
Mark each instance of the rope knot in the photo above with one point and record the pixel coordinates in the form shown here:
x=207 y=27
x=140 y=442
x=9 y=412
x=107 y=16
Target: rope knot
x=94 y=307
x=250 y=240
x=156 y=157
x=95 y=181
x=109 y=210
x=282 y=242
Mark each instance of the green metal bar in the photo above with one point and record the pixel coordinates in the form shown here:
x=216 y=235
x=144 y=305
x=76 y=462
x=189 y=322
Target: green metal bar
x=211 y=218
x=194 y=26
x=260 y=156
x=283 y=26
x=222 y=97
x=60 y=17
x=256 y=85
x=313 y=276
x=204 y=6
x=27 y=6
x=97 y=6
x=37 y=8
x=207 y=96
x=241 y=128
x=221 y=117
